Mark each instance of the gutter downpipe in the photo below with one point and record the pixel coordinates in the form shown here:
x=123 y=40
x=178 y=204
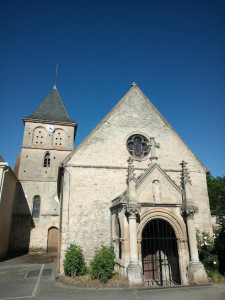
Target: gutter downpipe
x=3 y=178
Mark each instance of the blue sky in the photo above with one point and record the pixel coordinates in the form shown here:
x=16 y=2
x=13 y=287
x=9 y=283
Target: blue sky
x=173 y=50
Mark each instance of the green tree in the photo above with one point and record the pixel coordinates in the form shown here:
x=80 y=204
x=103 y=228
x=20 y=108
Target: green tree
x=216 y=191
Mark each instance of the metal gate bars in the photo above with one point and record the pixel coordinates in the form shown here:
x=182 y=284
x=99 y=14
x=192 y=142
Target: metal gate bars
x=159 y=254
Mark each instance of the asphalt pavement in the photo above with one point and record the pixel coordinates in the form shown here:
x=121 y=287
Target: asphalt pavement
x=33 y=277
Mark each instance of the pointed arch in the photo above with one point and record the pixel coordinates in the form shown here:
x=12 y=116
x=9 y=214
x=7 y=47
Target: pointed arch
x=39 y=136
x=47 y=160
x=119 y=236
x=36 y=206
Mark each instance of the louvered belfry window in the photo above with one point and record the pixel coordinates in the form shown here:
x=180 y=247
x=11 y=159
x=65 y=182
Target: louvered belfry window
x=36 y=206
x=47 y=160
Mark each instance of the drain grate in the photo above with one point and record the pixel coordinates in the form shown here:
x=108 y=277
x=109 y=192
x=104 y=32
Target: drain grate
x=35 y=273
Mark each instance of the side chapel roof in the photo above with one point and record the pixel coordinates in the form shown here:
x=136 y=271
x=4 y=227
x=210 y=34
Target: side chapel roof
x=51 y=109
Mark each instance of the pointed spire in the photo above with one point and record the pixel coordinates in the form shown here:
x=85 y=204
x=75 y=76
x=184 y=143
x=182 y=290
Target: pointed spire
x=51 y=109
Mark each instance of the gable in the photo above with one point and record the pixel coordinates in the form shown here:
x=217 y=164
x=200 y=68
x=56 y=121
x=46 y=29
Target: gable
x=155 y=186
x=106 y=144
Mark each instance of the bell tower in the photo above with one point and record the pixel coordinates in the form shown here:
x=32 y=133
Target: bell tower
x=49 y=136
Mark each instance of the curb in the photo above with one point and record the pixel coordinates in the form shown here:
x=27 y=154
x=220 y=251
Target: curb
x=95 y=286
x=61 y=279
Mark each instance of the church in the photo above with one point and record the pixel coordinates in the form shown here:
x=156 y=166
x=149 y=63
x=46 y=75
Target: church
x=132 y=182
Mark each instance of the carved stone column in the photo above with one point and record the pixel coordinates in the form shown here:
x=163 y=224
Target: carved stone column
x=134 y=270
x=196 y=271
x=132 y=212
x=192 y=235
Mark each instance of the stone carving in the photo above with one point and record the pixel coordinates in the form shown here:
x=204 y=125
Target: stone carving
x=189 y=210
x=185 y=178
x=130 y=171
x=156 y=191
x=133 y=210
x=153 y=146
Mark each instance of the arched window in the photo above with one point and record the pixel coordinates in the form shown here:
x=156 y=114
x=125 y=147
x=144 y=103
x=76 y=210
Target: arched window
x=36 y=206
x=47 y=160
x=39 y=136
x=119 y=236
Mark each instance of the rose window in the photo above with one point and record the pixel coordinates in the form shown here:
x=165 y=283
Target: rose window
x=137 y=145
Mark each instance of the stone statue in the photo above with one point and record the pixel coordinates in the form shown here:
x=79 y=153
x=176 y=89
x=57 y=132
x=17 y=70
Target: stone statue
x=156 y=191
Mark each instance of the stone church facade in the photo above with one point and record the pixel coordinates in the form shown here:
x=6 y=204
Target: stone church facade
x=132 y=182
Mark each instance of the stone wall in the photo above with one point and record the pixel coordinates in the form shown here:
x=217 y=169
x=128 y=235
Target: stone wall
x=97 y=171
x=8 y=184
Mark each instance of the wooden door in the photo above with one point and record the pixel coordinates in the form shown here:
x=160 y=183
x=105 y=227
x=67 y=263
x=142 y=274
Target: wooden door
x=53 y=239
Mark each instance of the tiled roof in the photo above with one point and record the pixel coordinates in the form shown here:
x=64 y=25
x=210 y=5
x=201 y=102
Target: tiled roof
x=51 y=109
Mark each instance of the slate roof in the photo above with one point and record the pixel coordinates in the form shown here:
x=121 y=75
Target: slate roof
x=52 y=109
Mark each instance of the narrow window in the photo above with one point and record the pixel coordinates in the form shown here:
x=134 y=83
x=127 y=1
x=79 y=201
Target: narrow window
x=36 y=207
x=119 y=235
x=120 y=242
x=47 y=160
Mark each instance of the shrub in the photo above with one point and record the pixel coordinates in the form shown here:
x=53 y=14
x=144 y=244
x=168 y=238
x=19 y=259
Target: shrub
x=74 y=264
x=102 y=265
x=207 y=253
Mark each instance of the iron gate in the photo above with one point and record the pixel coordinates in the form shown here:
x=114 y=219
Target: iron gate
x=159 y=254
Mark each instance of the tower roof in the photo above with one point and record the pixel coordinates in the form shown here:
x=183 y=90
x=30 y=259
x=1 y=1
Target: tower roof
x=51 y=109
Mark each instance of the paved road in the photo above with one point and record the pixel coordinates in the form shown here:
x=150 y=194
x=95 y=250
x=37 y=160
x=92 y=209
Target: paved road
x=29 y=277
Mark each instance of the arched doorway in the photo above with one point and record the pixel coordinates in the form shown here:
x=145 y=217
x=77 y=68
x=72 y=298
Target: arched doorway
x=53 y=234
x=159 y=254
